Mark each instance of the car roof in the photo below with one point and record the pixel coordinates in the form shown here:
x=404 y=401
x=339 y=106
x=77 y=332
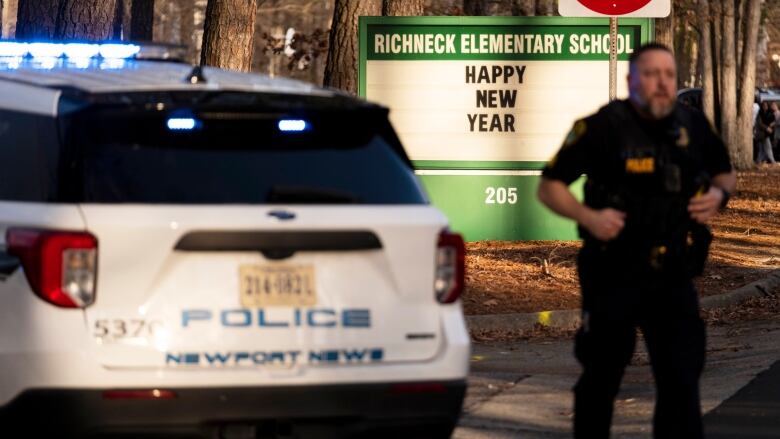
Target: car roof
x=32 y=86
x=762 y=95
x=768 y=96
x=688 y=90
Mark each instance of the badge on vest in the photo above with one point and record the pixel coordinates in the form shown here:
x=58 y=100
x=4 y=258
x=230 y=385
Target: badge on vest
x=643 y=165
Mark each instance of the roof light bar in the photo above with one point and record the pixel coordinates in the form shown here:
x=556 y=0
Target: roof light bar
x=68 y=50
x=46 y=63
x=81 y=50
x=15 y=50
x=46 y=50
x=292 y=125
x=119 y=51
x=11 y=63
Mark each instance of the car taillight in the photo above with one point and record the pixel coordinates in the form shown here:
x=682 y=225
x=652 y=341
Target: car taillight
x=60 y=266
x=450 y=267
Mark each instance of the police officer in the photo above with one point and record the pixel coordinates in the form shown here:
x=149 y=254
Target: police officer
x=656 y=173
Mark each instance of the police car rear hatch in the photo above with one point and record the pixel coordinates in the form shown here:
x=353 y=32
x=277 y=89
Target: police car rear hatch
x=177 y=287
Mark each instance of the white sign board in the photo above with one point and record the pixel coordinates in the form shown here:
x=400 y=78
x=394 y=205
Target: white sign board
x=491 y=93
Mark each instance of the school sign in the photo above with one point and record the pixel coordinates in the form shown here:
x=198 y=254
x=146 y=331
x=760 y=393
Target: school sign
x=481 y=104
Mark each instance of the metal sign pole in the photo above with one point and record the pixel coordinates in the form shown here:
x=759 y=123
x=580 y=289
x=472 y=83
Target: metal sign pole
x=613 y=31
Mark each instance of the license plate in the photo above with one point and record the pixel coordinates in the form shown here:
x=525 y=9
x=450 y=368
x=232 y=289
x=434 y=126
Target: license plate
x=279 y=285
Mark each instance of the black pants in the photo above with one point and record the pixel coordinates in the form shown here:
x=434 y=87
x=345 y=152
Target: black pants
x=616 y=301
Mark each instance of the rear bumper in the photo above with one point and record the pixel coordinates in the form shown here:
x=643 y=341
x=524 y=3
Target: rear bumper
x=355 y=410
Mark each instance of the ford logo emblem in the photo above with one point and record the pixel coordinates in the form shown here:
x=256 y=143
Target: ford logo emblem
x=282 y=215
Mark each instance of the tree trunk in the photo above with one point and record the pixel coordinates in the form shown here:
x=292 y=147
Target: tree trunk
x=524 y=8
x=1 y=18
x=488 y=7
x=546 y=7
x=126 y=6
x=341 y=65
x=228 y=37
x=728 y=95
x=716 y=39
x=739 y=23
x=403 y=8
x=142 y=20
x=664 y=29
x=10 y=8
x=187 y=30
x=742 y=157
x=37 y=19
x=687 y=45
x=705 y=55
x=119 y=18
x=195 y=41
x=86 y=19
x=764 y=68
x=167 y=16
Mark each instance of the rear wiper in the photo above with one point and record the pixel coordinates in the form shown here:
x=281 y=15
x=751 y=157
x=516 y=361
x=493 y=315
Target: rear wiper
x=309 y=195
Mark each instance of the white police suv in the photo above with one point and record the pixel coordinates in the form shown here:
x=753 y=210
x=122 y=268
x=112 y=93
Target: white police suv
x=214 y=254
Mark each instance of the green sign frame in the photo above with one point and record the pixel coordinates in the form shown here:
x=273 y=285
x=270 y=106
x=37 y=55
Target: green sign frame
x=461 y=194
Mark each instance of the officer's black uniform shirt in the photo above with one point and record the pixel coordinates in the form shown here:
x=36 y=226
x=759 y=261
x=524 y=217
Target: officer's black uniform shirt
x=595 y=147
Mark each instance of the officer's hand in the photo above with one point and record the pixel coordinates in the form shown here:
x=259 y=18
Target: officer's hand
x=604 y=224
x=704 y=207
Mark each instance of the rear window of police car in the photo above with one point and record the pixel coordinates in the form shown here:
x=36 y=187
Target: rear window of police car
x=237 y=157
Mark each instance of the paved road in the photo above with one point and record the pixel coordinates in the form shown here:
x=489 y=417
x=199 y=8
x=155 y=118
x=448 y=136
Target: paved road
x=523 y=389
x=752 y=413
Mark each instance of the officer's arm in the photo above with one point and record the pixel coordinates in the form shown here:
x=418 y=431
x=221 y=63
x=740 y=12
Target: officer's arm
x=704 y=207
x=725 y=181
x=603 y=224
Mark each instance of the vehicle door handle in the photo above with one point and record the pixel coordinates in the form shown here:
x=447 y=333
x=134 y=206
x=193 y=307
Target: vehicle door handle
x=8 y=264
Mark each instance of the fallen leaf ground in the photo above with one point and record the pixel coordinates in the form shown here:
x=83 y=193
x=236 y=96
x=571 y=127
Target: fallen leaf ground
x=528 y=276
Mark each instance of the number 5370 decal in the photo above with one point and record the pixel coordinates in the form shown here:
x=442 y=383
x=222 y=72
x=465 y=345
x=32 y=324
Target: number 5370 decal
x=125 y=328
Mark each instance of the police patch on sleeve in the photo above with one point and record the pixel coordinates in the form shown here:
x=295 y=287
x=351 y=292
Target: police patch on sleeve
x=576 y=133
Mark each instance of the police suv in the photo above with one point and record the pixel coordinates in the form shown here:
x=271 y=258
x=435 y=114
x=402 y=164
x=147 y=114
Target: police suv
x=214 y=254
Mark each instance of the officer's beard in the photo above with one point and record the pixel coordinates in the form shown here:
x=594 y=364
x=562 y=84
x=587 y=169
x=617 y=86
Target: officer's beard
x=654 y=108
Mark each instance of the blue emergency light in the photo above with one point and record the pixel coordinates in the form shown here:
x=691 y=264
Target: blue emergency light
x=119 y=51
x=182 y=124
x=81 y=51
x=292 y=125
x=17 y=49
x=11 y=49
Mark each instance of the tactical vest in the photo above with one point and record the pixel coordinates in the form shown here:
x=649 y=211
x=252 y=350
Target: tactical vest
x=651 y=177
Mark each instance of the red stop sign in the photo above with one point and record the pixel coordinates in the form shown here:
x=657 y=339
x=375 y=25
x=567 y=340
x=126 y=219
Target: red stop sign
x=614 y=7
